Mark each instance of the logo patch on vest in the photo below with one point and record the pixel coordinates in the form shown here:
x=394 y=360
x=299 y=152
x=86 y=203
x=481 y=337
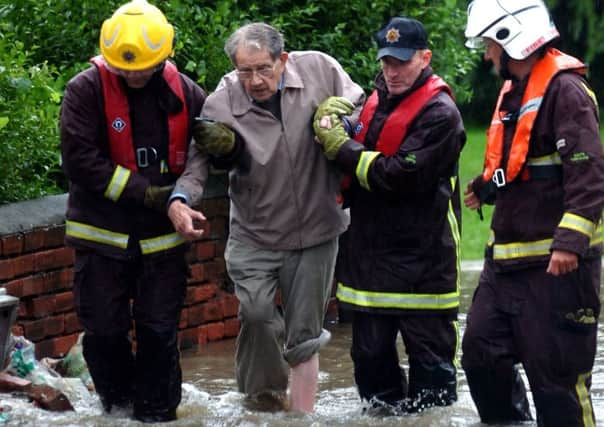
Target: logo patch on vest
x=358 y=128
x=118 y=124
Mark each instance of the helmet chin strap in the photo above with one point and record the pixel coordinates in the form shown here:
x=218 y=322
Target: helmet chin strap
x=504 y=70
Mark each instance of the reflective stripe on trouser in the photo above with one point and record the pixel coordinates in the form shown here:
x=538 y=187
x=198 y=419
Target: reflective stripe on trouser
x=103 y=288
x=546 y=322
x=430 y=343
x=304 y=278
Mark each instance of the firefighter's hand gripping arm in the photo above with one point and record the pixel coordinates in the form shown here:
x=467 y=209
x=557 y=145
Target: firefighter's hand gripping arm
x=156 y=197
x=185 y=219
x=334 y=105
x=331 y=135
x=213 y=137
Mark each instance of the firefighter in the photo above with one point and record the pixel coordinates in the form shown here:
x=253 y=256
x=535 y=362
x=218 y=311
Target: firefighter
x=398 y=267
x=537 y=302
x=126 y=123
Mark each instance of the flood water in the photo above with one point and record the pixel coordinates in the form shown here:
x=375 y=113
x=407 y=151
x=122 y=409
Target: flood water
x=210 y=397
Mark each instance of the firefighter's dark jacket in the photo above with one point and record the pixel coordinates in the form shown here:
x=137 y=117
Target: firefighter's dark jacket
x=116 y=223
x=400 y=254
x=561 y=209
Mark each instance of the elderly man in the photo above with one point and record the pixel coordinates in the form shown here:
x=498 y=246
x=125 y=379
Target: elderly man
x=285 y=220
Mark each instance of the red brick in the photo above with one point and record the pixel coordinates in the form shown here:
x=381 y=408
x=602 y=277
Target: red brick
x=196 y=294
x=64 y=302
x=12 y=244
x=195 y=315
x=23 y=264
x=54 y=325
x=7 y=269
x=231 y=327
x=72 y=323
x=215 y=331
x=34 y=330
x=205 y=250
x=54 y=236
x=184 y=318
x=58 y=280
x=211 y=310
x=34 y=240
x=230 y=305
x=202 y=335
x=197 y=273
x=220 y=247
x=55 y=347
x=26 y=286
x=213 y=271
x=38 y=307
x=53 y=258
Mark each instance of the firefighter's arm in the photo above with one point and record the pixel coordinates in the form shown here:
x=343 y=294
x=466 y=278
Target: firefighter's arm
x=577 y=138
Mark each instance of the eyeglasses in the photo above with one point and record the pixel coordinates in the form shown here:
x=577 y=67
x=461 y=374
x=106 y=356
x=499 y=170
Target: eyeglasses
x=264 y=72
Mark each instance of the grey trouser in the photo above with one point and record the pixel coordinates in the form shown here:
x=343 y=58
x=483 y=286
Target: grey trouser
x=273 y=337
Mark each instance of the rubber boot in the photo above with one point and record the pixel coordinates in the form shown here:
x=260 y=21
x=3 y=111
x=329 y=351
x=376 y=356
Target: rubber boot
x=430 y=385
x=158 y=376
x=499 y=394
x=111 y=365
x=303 y=385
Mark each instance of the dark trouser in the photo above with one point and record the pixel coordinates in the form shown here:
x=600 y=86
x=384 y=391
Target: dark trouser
x=103 y=288
x=548 y=324
x=430 y=343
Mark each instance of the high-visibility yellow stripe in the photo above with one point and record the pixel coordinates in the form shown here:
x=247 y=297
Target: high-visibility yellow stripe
x=584 y=399
x=577 y=223
x=502 y=251
x=363 y=167
x=95 y=234
x=454 y=226
x=547 y=160
x=522 y=250
x=161 y=243
x=397 y=300
x=118 y=183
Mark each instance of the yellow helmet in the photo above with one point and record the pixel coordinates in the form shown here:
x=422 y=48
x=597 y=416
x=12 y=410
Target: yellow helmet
x=136 y=37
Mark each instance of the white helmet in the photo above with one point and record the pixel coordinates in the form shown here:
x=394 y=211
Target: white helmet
x=520 y=26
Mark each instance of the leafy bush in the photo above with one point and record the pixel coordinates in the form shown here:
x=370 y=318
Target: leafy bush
x=29 y=106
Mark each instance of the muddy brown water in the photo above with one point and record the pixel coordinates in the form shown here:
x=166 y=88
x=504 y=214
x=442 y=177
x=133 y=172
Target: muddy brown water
x=210 y=397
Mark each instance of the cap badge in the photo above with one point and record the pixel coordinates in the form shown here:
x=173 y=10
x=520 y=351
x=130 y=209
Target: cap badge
x=392 y=35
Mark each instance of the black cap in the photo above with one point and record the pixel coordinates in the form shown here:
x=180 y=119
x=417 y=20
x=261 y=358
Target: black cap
x=401 y=38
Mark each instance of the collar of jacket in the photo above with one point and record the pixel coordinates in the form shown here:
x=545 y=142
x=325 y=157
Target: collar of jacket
x=241 y=101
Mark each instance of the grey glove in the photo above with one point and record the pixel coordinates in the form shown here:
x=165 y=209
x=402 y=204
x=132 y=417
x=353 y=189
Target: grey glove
x=156 y=197
x=213 y=137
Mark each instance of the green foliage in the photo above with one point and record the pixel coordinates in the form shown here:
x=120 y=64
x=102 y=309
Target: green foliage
x=29 y=106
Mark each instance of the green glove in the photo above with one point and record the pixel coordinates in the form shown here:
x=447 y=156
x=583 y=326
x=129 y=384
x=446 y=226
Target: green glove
x=333 y=138
x=334 y=105
x=213 y=137
x=156 y=197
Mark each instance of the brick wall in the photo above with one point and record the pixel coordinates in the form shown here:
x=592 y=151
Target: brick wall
x=37 y=268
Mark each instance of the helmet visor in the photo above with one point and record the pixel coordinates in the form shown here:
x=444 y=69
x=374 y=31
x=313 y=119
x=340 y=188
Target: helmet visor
x=475 y=42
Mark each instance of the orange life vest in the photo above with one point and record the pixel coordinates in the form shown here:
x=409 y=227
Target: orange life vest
x=395 y=128
x=119 y=129
x=542 y=73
